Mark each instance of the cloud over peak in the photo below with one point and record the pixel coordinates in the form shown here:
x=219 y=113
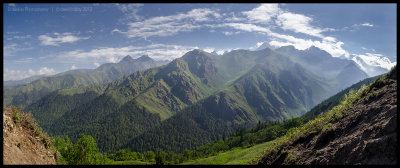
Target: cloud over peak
x=114 y=54
x=373 y=64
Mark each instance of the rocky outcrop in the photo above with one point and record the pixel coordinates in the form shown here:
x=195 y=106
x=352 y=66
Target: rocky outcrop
x=20 y=144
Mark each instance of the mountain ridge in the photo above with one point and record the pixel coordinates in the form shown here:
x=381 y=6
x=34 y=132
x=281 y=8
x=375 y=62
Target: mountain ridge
x=31 y=92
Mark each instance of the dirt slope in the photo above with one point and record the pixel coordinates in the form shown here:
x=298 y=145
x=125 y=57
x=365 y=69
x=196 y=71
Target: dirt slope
x=21 y=146
x=366 y=135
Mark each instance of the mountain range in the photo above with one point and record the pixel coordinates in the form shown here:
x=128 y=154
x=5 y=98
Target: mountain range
x=27 y=93
x=194 y=99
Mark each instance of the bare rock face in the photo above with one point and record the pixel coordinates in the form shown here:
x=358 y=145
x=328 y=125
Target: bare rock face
x=366 y=135
x=200 y=64
x=21 y=146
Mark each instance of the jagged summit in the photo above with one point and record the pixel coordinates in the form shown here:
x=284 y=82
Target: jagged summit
x=144 y=58
x=127 y=59
x=195 y=54
x=264 y=46
x=317 y=51
x=195 y=51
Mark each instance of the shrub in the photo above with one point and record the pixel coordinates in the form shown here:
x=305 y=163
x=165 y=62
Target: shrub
x=148 y=156
x=125 y=154
x=83 y=152
x=160 y=157
x=16 y=114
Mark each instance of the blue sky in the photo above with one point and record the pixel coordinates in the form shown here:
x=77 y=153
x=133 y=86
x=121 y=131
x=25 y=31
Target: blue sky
x=44 y=39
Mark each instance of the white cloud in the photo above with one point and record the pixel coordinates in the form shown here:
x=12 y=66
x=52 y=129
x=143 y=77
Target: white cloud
x=24 y=60
x=328 y=43
x=46 y=71
x=9 y=49
x=220 y=52
x=228 y=33
x=73 y=67
x=60 y=38
x=298 y=23
x=166 y=52
x=262 y=14
x=96 y=64
x=330 y=39
x=332 y=47
x=209 y=49
x=376 y=60
x=19 y=37
x=13 y=32
x=110 y=54
x=18 y=75
x=366 y=24
x=12 y=48
x=357 y=26
x=130 y=12
x=372 y=63
x=298 y=43
x=223 y=51
x=169 y=25
x=246 y=27
x=278 y=44
x=233 y=18
x=259 y=44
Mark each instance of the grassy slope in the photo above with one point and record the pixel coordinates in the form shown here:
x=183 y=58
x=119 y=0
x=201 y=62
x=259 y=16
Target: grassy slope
x=234 y=156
